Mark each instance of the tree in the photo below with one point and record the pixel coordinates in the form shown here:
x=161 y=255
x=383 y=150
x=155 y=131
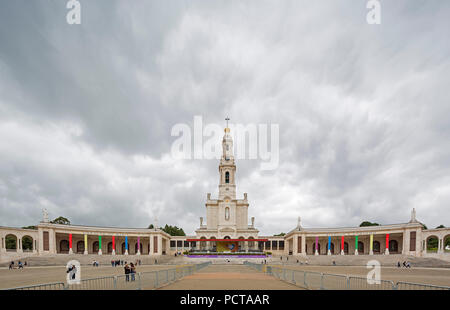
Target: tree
x=441 y=226
x=280 y=234
x=60 y=220
x=30 y=227
x=367 y=223
x=173 y=230
x=424 y=226
x=151 y=226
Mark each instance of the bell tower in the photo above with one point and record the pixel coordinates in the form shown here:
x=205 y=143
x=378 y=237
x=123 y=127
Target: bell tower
x=227 y=167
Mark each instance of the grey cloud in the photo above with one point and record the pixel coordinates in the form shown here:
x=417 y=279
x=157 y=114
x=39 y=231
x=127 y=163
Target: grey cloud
x=363 y=110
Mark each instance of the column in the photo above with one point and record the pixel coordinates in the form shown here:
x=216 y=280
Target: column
x=159 y=245
x=329 y=246
x=70 y=244
x=19 y=244
x=387 y=244
x=304 y=245
x=138 y=246
x=99 y=245
x=126 y=245
x=440 y=243
x=405 y=242
x=316 y=252
x=371 y=245
x=113 y=245
x=151 y=245
x=52 y=241
x=294 y=245
x=40 y=244
x=342 y=246
x=85 y=244
x=356 y=245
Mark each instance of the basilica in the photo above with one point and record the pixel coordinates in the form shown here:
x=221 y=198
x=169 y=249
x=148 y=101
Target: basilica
x=226 y=231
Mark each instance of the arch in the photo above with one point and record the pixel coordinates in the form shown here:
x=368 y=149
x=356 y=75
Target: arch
x=136 y=247
x=251 y=244
x=318 y=248
x=64 y=246
x=360 y=247
x=376 y=247
x=432 y=243
x=11 y=243
x=123 y=248
x=446 y=241
x=227 y=177
x=80 y=247
x=203 y=243
x=346 y=248
x=331 y=248
x=227 y=237
x=95 y=247
x=109 y=247
x=241 y=244
x=393 y=246
x=27 y=243
x=213 y=243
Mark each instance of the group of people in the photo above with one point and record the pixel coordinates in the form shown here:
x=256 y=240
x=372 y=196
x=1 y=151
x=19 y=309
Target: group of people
x=130 y=269
x=405 y=264
x=19 y=265
x=115 y=263
x=95 y=263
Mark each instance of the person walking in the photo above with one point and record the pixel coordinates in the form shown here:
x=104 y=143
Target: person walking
x=11 y=265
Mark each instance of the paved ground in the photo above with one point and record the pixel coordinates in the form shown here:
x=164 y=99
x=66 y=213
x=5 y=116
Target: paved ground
x=436 y=276
x=229 y=277
x=222 y=276
x=39 y=275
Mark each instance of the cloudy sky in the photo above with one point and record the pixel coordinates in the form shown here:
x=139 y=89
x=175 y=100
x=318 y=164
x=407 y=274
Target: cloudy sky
x=86 y=110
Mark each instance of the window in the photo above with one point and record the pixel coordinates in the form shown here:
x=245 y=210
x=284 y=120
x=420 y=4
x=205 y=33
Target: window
x=227 y=177
x=274 y=245
x=227 y=213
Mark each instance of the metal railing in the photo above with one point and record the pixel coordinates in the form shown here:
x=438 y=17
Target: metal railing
x=137 y=281
x=326 y=281
x=47 y=286
x=416 y=286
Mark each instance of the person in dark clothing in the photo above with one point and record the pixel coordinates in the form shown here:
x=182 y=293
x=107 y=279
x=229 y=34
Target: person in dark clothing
x=127 y=272
x=132 y=271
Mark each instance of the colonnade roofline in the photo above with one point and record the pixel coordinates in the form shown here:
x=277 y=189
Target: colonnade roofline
x=350 y=230
x=18 y=229
x=60 y=228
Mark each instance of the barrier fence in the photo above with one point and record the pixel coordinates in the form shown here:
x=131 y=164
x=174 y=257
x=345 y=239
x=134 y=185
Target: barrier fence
x=326 y=281
x=136 y=281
